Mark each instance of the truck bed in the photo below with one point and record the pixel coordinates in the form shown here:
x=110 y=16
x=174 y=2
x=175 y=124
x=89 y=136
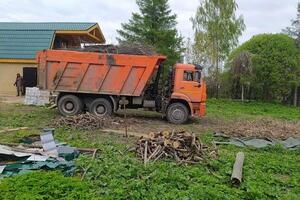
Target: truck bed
x=99 y=73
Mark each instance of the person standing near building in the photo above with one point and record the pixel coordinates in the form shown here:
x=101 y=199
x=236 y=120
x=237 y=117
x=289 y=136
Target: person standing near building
x=19 y=84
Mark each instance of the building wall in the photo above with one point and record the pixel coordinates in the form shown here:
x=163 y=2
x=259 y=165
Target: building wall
x=8 y=73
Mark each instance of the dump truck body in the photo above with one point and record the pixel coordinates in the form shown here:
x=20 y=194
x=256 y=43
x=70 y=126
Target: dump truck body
x=113 y=74
x=101 y=83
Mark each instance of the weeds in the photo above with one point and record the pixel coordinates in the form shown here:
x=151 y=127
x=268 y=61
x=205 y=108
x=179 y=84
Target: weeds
x=271 y=173
x=42 y=185
x=122 y=176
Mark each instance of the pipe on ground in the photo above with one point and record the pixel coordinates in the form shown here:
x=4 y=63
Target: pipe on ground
x=237 y=171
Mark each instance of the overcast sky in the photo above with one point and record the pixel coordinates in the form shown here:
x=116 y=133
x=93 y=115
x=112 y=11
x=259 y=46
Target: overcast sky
x=261 y=16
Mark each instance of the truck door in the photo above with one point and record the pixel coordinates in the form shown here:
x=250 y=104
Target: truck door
x=189 y=84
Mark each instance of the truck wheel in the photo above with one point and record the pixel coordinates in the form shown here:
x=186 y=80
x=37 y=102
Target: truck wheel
x=177 y=113
x=70 y=105
x=101 y=107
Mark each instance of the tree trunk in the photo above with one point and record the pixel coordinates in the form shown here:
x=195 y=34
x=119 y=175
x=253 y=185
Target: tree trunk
x=267 y=93
x=296 y=96
x=249 y=91
x=217 y=68
x=217 y=78
x=242 y=95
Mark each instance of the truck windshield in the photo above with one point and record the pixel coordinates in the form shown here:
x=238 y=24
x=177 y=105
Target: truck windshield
x=197 y=76
x=192 y=76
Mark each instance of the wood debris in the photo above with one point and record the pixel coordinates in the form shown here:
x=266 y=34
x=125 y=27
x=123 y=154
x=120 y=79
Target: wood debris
x=21 y=145
x=13 y=129
x=88 y=122
x=182 y=146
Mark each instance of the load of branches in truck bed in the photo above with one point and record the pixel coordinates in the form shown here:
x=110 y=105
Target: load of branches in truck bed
x=123 y=48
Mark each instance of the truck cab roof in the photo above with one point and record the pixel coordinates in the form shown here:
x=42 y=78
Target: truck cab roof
x=188 y=66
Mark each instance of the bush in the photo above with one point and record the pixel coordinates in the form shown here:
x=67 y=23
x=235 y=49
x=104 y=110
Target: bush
x=274 y=67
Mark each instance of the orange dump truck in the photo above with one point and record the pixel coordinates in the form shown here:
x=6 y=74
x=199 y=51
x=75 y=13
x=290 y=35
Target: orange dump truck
x=101 y=83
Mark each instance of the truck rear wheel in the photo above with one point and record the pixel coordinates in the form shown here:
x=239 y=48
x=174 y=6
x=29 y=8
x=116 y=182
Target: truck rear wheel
x=177 y=113
x=101 y=107
x=70 y=105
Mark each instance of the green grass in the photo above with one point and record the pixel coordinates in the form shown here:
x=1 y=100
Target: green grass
x=230 y=109
x=119 y=175
x=271 y=173
x=16 y=115
x=42 y=185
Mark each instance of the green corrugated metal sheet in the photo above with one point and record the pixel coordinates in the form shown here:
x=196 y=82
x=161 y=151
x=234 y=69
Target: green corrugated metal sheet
x=17 y=44
x=62 y=26
x=23 y=40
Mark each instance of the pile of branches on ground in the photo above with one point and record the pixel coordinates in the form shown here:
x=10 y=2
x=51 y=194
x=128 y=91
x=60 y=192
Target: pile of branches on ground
x=88 y=122
x=123 y=48
x=182 y=146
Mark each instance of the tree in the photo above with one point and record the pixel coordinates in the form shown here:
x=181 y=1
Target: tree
x=294 y=29
x=154 y=25
x=194 y=54
x=217 y=30
x=294 y=32
x=188 y=54
x=274 y=65
x=241 y=71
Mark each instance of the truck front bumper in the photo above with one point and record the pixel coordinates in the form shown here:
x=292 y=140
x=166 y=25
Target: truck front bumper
x=198 y=109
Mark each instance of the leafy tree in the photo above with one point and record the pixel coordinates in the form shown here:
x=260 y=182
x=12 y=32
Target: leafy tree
x=216 y=32
x=154 y=25
x=194 y=54
x=294 y=32
x=274 y=66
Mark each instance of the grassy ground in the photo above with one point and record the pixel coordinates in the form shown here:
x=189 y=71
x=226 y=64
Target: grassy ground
x=234 y=109
x=271 y=173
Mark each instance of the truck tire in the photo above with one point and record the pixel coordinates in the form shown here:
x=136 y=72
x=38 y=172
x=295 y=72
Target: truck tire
x=70 y=105
x=101 y=107
x=177 y=113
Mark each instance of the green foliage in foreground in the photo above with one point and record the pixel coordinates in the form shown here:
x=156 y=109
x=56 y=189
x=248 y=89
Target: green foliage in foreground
x=115 y=174
x=230 y=109
x=42 y=185
x=120 y=176
x=271 y=173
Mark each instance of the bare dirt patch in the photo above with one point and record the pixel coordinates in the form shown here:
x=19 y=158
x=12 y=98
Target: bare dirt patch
x=262 y=127
x=6 y=98
x=258 y=128
x=146 y=122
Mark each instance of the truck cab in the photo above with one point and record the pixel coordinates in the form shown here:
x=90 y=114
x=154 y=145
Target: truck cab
x=188 y=94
